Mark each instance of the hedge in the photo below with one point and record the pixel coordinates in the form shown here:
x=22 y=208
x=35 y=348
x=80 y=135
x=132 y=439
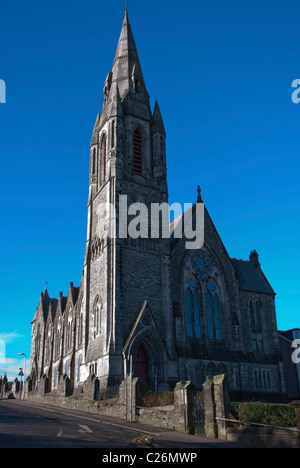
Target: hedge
x=264 y=413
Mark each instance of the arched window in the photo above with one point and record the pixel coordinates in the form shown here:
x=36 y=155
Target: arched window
x=200 y=376
x=213 y=312
x=251 y=313
x=97 y=309
x=94 y=161
x=113 y=126
x=38 y=341
x=57 y=340
x=192 y=309
x=103 y=149
x=69 y=331
x=255 y=316
x=137 y=152
x=211 y=369
x=258 y=317
x=80 y=325
x=48 y=345
x=254 y=310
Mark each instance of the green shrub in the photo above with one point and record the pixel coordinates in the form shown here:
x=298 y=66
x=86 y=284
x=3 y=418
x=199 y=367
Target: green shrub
x=264 y=413
x=150 y=399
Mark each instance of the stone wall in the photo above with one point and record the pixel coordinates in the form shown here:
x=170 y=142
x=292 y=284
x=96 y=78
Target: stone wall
x=178 y=416
x=263 y=437
x=164 y=416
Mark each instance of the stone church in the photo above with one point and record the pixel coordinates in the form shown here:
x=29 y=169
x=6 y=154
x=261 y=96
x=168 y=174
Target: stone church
x=175 y=314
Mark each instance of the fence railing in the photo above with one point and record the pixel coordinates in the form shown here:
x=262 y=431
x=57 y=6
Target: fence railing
x=248 y=423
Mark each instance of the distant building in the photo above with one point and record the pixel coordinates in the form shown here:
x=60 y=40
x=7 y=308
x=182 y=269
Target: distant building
x=291 y=369
x=180 y=314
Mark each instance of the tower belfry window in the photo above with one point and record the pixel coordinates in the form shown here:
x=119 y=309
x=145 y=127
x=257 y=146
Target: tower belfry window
x=94 y=162
x=137 y=152
x=103 y=157
x=113 y=126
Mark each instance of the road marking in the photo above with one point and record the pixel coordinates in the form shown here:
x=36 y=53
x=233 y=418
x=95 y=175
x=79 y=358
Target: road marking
x=85 y=429
x=142 y=441
x=65 y=436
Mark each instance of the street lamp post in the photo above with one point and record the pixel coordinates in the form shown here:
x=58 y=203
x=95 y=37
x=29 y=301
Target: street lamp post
x=24 y=378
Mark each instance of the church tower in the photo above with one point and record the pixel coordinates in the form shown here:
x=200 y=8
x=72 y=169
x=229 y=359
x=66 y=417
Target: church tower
x=126 y=277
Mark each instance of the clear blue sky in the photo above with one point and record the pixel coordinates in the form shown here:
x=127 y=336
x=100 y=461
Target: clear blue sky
x=222 y=74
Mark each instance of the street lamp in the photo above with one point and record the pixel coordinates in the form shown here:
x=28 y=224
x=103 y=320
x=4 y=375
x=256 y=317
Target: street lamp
x=23 y=390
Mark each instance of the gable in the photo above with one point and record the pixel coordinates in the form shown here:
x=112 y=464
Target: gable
x=143 y=326
x=250 y=277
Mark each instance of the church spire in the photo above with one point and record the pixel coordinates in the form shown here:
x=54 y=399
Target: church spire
x=126 y=72
x=135 y=139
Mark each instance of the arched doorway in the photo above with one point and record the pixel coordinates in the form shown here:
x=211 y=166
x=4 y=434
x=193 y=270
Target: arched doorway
x=141 y=365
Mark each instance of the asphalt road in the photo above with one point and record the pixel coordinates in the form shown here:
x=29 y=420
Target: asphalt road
x=32 y=425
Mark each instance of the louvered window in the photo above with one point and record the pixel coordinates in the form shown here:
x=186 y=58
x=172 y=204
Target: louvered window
x=137 y=153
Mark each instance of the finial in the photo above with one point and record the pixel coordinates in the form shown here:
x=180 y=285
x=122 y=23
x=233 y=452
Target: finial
x=199 y=199
x=46 y=286
x=126 y=14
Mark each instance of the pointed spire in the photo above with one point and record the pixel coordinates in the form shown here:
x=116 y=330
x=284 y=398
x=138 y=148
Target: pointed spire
x=116 y=105
x=124 y=89
x=157 y=121
x=94 y=139
x=199 y=199
x=127 y=71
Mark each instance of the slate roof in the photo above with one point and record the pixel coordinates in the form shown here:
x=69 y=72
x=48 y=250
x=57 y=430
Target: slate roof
x=289 y=334
x=250 y=277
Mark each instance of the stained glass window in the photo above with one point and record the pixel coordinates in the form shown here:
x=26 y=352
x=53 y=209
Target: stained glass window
x=189 y=318
x=196 y=313
x=213 y=312
x=209 y=313
x=192 y=309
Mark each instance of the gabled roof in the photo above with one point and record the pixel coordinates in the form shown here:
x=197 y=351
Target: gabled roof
x=52 y=309
x=251 y=278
